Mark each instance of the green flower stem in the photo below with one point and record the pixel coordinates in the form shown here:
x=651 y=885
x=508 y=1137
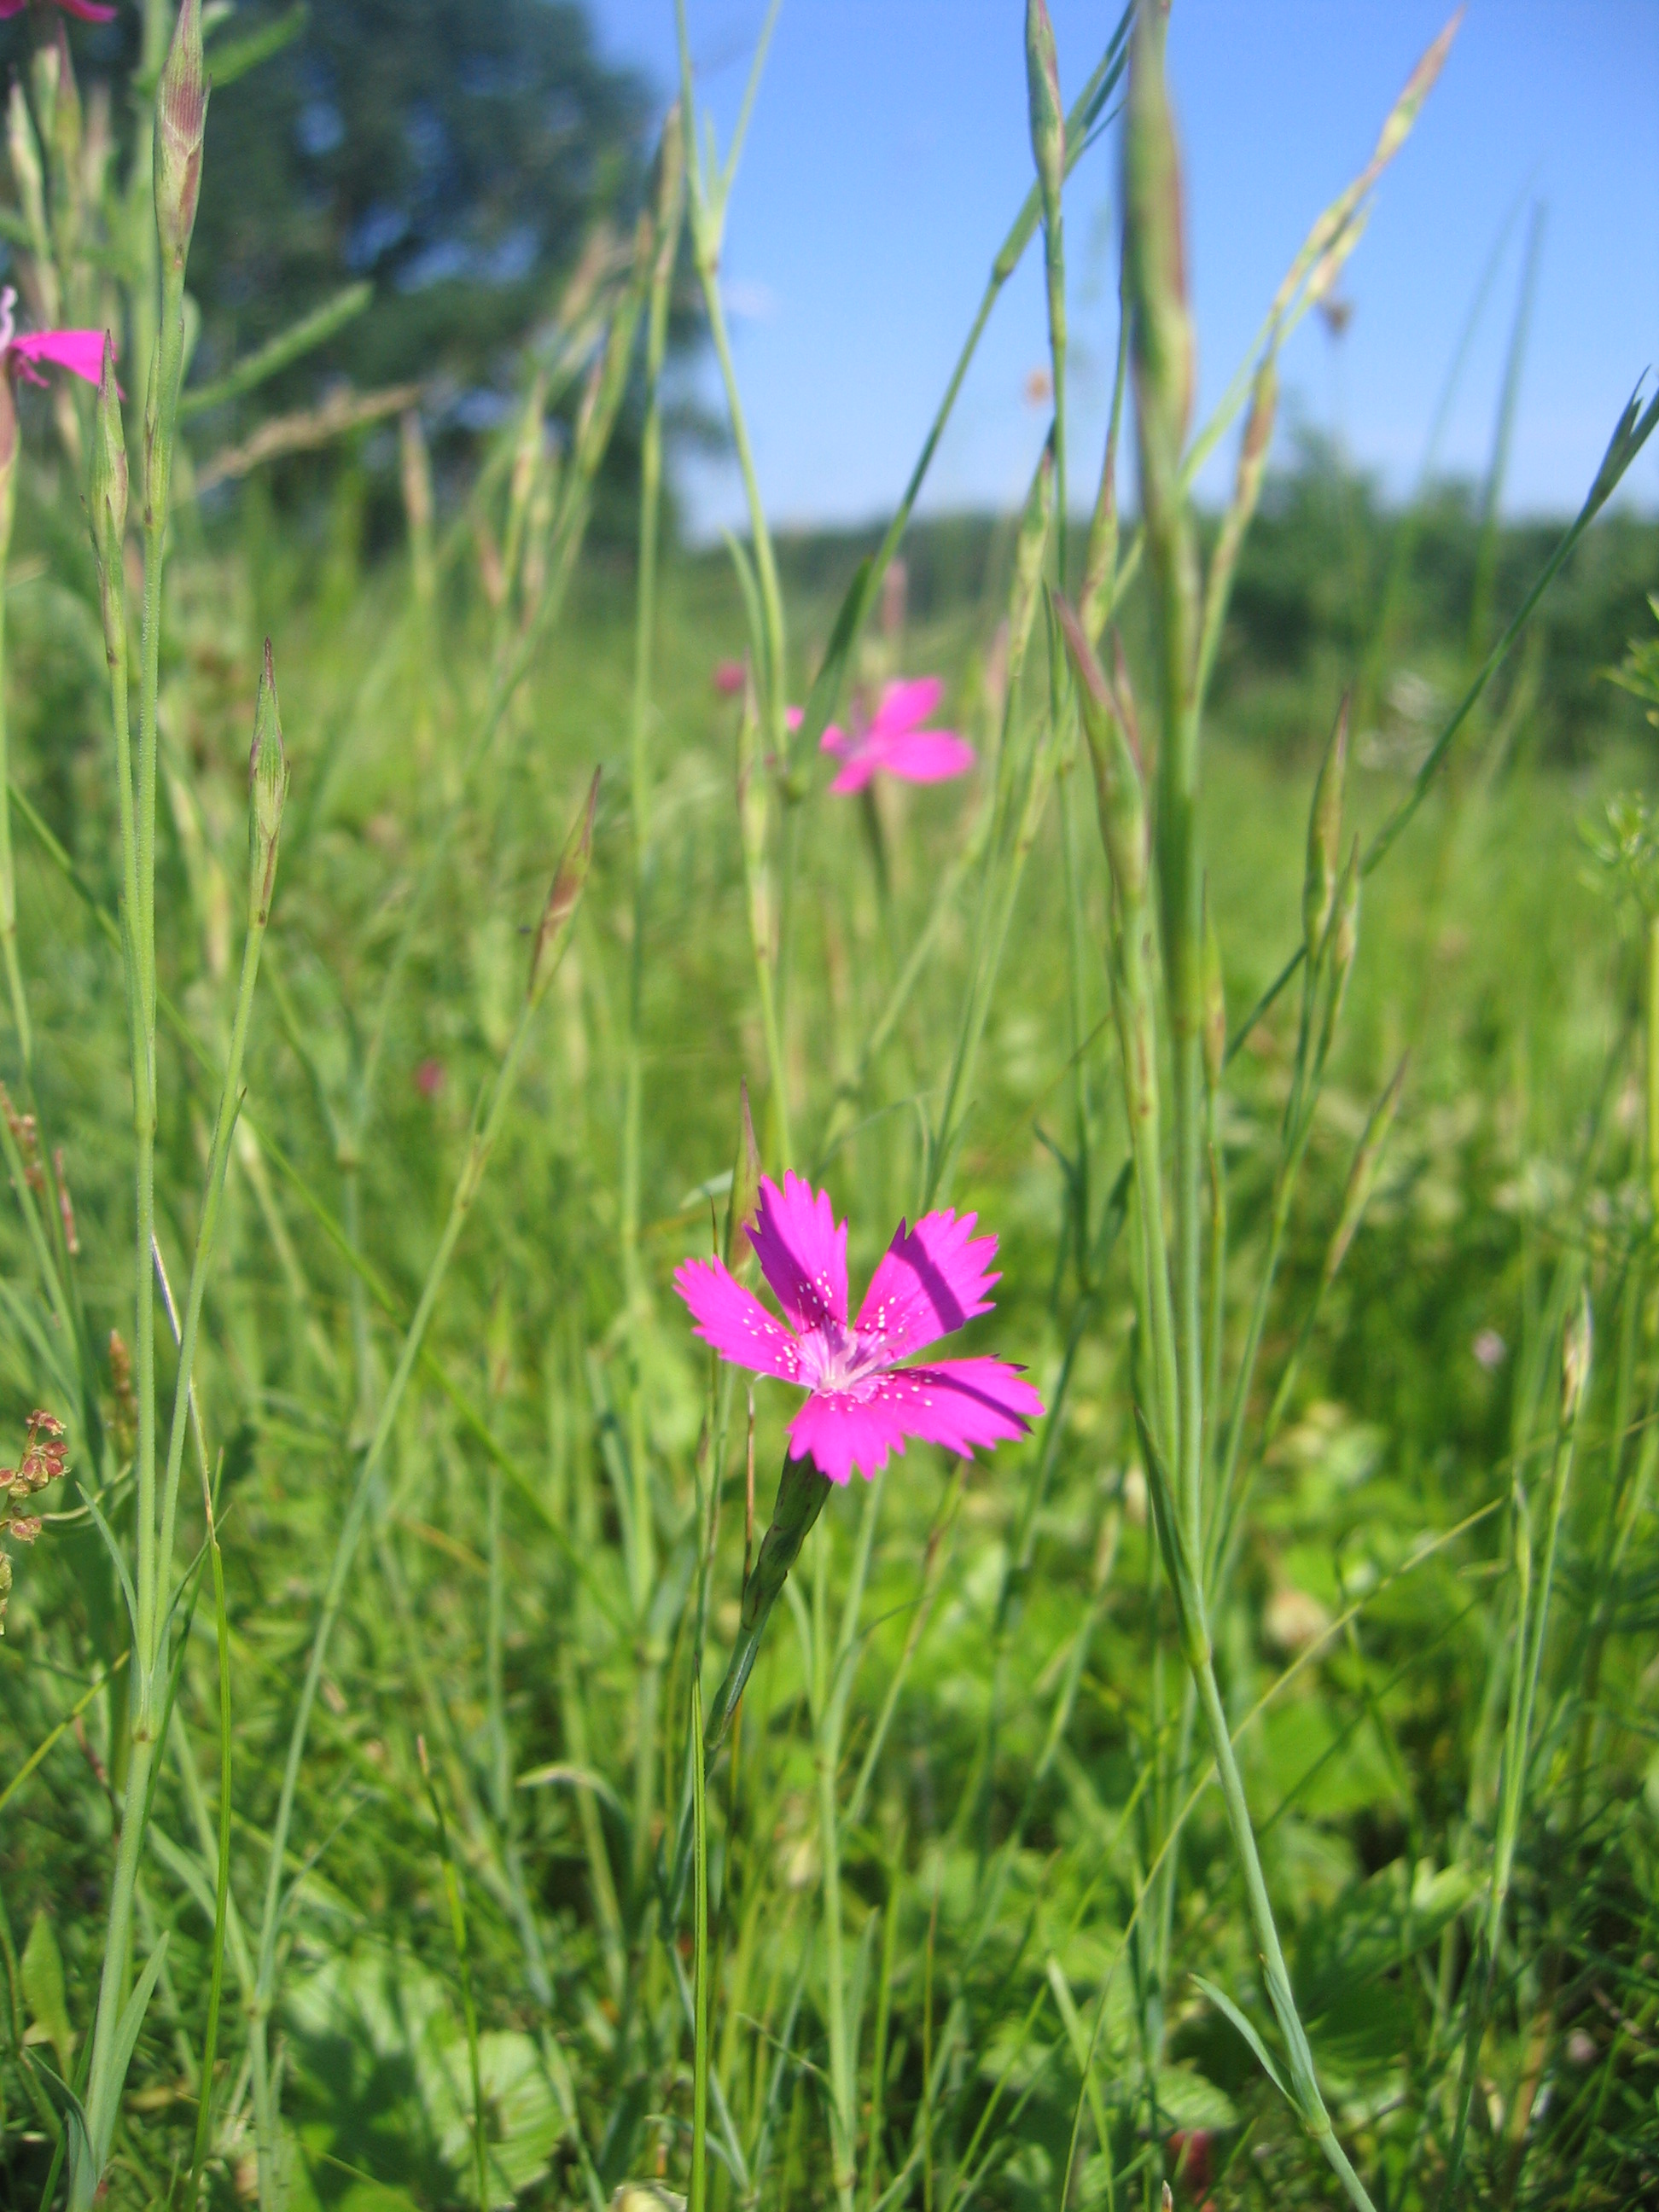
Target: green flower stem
x=699 y=2191
x=160 y=422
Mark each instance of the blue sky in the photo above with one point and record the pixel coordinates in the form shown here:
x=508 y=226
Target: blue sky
x=889 y=152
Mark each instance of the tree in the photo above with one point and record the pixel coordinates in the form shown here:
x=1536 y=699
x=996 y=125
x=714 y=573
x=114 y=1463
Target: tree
x=455 y=153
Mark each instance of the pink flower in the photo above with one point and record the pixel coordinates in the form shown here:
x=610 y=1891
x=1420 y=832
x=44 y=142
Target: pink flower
x=81 y=352
x=860 y=1405
x=728 y=677
x=892 y=744
x=429 y=1077
x=88 y=11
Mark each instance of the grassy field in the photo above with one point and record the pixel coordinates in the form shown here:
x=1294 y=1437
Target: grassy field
x=426 y=1893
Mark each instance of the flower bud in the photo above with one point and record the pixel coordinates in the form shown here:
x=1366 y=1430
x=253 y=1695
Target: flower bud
x=1118 y=788
x=1576 y=1348
x=569 y=880
x=181 y=99
x=267 y=776
x=1215 y=1001
x=1047 y=116
x=1325 y=836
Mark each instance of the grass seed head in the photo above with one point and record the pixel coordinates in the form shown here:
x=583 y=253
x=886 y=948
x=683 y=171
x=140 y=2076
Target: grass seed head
x=1118 y=788
x=1156 y=255
x=569 y=880
x=1325 y=836
x=267 y=771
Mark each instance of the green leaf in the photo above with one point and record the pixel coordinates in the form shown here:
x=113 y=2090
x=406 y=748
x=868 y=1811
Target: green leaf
x=289 y=345
x=1224 y=2003
x=1376 y=1926
x=42 y=1976
x=229 y=59
x=821 y=699
x=114 y=1551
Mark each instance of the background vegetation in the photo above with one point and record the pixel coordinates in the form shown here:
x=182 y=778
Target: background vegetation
x=966 y=1971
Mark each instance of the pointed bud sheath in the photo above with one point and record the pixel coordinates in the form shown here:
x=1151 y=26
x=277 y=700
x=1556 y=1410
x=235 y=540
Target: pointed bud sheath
x=1118 y=789
x=1047 y=116
x=569 y=880
x=743 y=1208
x=267 y=779
x=802 y=1494
x=181 y=100
x=1325 y=837
x=1215 y=1003
x=1155 y=254
x=1575 y=1349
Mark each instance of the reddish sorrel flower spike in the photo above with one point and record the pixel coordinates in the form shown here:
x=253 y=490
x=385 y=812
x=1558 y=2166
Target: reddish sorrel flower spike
x=87 y=11
x=81 y=352
x=861 y=1404
x=893 y=742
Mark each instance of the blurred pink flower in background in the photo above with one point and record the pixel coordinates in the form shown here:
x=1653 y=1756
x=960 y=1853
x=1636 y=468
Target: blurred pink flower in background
x=1489 y=1349
x=429 y=1077
x=861 y=1405
x=892 y=742
x=81 y=352
x=88 y=11
x=728 y=677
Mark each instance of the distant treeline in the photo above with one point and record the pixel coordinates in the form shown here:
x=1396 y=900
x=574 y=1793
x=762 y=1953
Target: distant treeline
x=1335 y=586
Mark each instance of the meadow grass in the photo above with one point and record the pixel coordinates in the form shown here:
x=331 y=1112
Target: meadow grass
x=431 y=1894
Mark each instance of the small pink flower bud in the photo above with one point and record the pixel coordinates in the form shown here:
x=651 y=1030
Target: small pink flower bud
x=181 y=100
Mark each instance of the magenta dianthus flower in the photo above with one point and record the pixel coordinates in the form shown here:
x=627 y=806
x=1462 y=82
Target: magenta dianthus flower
x=861 y=1404
x=893 y=743
x=88 y=11
x=81 y=352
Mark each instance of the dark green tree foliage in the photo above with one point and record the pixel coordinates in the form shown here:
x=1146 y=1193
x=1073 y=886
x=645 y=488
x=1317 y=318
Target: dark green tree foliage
x=455 y=153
